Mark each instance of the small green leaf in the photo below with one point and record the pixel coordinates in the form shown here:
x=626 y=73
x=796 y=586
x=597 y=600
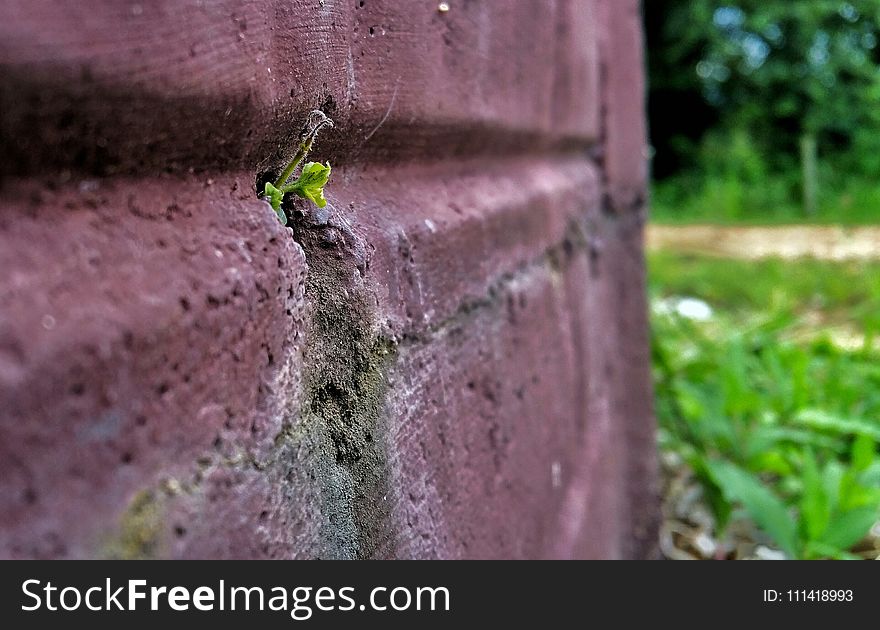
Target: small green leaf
x=275 y=196
x=720 y=505
x=815 y=508
x=281 y=216
x=310 y=183
x=768 y=511
x=862 y=452
x=849 y=528
x=818 y=419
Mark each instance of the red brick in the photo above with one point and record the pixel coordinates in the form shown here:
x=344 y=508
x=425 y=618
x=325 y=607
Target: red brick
x=625 y=149
x=230 y=79
x=449 y=360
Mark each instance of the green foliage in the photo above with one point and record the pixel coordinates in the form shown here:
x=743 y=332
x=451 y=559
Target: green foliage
x=310 y=184
x=769 y=512
x=776 y=289
x=313 y=177
x=275 y=197
x=727 y=200
x=776 y=418
x=777 y=67
x=763 y=76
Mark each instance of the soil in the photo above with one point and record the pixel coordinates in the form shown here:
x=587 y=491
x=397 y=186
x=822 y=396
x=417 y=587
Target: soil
x=789 y=241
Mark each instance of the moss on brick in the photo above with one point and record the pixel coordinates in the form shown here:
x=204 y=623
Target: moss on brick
x=346 y=360
x=139 y=535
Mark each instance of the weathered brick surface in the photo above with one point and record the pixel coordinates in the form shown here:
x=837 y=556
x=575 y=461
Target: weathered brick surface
x=449 y=360
x=624 y=144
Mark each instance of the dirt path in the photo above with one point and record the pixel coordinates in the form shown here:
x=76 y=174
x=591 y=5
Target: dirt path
x=791 y=241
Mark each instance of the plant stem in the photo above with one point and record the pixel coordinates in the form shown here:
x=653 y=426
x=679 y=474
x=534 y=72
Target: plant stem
x=300 y=154
x=305 y=145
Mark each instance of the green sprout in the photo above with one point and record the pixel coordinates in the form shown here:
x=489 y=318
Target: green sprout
x=313 y=177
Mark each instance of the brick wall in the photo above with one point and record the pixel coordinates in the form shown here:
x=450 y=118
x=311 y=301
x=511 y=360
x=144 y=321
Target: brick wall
x=449 y=360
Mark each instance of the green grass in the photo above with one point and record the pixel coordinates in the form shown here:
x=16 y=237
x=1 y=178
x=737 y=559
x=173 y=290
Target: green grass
x=845 y=292
x=726 y=200
x=777 y=418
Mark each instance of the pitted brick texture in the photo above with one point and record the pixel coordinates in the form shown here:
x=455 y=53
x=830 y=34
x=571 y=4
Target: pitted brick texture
x=82 y=82
x=449 y=360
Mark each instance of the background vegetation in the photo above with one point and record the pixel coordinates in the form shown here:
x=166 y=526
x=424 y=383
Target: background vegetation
x=764 y=110
x=770 y=394
x=767 y=372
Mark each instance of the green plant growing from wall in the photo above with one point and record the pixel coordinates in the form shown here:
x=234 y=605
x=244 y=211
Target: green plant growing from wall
x=313 y=177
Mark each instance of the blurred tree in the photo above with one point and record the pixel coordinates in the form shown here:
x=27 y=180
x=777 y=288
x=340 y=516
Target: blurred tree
x=799 y=76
